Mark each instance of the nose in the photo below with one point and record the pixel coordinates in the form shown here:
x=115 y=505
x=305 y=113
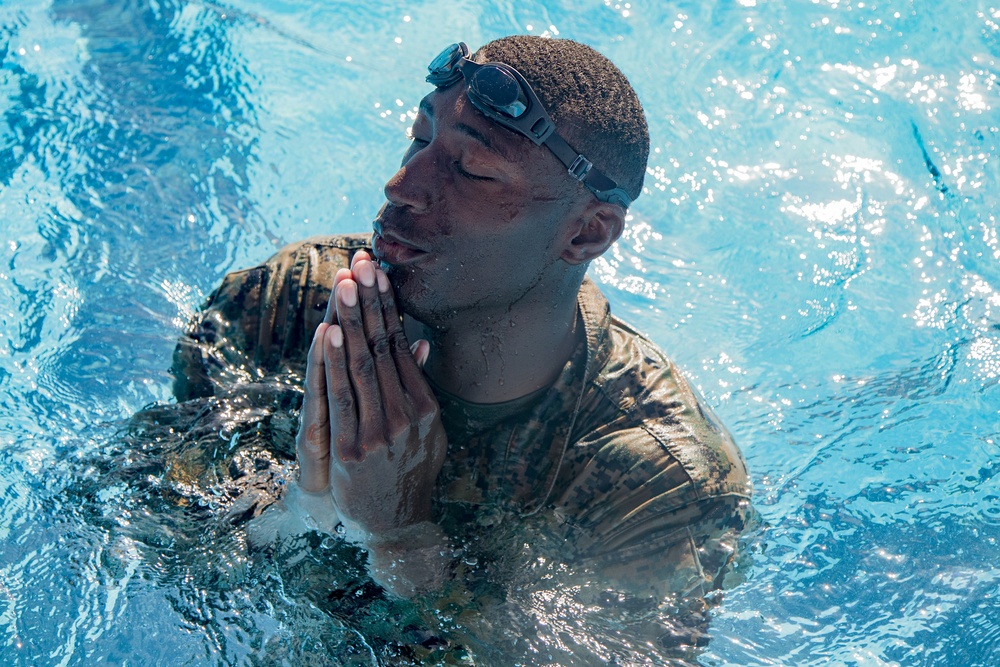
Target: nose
x=411 y=186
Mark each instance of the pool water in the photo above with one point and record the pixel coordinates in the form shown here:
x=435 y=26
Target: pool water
x=817 y=247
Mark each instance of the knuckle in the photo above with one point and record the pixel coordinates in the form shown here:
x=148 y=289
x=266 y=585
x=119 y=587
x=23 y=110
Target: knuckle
x=350 y=318
x=374 y=436
x=344 y=441
x=400 y=344
x=399 y=431
x=347 y=450
x=338 y=363
x=342 y=395
x=363 y=365
x=379 y=344
x=390 y=314
x=318 y=434
x=311 y=448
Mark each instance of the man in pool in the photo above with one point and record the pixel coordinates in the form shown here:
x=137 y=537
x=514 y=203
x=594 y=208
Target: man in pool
x=464 y=373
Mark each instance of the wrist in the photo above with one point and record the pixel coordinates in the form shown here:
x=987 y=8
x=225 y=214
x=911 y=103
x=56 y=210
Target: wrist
x=415 y=536
x=409 y=560
x=315 y=508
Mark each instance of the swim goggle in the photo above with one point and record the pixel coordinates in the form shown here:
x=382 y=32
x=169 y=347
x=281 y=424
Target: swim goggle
x=502 y=94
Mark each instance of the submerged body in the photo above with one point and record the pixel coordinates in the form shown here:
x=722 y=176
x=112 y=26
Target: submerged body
x=631 y=469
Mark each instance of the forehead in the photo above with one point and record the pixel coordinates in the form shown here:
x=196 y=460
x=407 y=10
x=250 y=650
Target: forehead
x=450 y=108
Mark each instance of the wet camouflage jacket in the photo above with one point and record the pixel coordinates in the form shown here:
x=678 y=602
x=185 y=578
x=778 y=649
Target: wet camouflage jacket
x=627 y=466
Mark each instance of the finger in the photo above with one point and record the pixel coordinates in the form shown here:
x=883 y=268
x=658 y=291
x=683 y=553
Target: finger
x=312 y=444
x=340 y=398
x=360 y=364
x=420 y=351
x=359 y=256
x=410 y=375
x=331 y=304
x=393 y=398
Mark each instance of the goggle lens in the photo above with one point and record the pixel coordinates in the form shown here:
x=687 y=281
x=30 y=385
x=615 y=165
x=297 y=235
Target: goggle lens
x=444 y=68
x=499 y=90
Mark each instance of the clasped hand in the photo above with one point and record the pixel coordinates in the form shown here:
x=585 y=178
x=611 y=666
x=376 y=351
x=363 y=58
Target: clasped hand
x=370 y=431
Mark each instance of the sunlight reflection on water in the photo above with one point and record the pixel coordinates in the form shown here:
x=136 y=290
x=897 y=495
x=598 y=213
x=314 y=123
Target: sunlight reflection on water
x=817 y=246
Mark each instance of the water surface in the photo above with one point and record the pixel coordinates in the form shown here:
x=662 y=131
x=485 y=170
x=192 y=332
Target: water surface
x=817 y=247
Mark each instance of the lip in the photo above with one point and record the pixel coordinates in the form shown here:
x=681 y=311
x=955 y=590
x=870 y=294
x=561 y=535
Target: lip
x=390 y=249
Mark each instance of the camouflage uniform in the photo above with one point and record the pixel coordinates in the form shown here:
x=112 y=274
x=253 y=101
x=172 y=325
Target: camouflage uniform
x=620 y=459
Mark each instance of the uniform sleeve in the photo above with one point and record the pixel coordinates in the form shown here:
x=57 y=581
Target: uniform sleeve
x=660 y=516
x=259 y=322
x=211 y=353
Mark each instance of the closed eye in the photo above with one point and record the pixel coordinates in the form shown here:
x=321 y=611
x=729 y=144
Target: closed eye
x=472 y=177
x=421 y=143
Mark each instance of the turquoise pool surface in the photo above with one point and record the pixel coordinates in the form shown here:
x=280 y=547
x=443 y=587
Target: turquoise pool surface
x=817 y=246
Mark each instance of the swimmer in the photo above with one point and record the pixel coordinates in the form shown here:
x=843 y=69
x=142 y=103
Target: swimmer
x=461 y=372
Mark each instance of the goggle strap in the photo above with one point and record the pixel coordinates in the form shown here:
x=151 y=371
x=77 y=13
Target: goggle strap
x=565 y=153
x=584 y=171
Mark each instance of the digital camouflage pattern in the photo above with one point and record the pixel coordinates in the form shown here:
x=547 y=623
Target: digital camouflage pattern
x=626 y=469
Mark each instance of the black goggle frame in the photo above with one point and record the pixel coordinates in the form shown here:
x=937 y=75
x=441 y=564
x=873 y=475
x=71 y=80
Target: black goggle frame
x=502 y=95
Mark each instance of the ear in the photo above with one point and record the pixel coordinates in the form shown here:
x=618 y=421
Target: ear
x=596 y=230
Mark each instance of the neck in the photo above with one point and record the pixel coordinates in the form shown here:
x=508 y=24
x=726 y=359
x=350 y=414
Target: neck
x=492 y=357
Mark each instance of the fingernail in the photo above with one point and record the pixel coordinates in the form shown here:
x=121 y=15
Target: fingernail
x=349 y=293
x=358 y=256
x=383 y=281
x=366 y=273
x=341 y=276
x=336 y=335
x=420 y=351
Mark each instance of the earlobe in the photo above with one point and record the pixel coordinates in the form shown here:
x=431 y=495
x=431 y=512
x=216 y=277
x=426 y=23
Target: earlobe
x=597 y=229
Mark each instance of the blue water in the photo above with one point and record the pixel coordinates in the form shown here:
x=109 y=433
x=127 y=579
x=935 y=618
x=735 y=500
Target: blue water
x=817 y=247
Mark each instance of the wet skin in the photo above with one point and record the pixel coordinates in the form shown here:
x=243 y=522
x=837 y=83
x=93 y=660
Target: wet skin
x=479 y=208
x=484 y=236
x=370 y=425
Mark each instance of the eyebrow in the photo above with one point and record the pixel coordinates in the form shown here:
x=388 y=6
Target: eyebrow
x=428 y=109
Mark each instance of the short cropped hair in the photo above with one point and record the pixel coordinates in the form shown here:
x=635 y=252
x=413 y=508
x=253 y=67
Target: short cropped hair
x=591 y=102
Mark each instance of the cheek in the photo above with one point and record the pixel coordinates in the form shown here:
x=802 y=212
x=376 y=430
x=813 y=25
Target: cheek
x=509 y=210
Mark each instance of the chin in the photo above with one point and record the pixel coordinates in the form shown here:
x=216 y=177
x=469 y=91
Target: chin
x=418 y=300
x=408 y=289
